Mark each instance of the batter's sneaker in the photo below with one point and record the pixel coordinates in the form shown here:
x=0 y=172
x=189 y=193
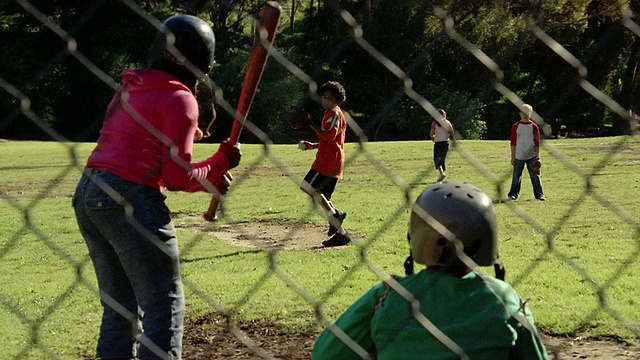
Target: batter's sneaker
x=339 y=217
x=337 y=240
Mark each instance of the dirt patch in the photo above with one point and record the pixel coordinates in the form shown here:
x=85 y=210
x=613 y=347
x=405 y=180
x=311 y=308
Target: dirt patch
x=562 y=347
x=208 y=337
x=272 y=234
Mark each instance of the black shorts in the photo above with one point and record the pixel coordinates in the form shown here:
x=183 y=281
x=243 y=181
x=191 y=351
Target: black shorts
x=324 y=184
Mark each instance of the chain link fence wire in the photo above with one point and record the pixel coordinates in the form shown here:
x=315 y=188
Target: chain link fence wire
x=583 y=192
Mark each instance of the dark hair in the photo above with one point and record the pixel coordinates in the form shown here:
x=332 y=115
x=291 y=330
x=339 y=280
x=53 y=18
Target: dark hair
x=443 y=113
x=336 y=89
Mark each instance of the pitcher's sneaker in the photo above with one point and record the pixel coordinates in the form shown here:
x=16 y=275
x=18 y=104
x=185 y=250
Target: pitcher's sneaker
x=339 y=217
x=337 y=240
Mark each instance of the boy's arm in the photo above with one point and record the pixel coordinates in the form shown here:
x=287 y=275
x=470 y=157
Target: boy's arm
x=514 y=140
x=331 y=125
x=528 y=345
x=355 y=323
x=536 y=140
x=308 y=145
x=318 y=131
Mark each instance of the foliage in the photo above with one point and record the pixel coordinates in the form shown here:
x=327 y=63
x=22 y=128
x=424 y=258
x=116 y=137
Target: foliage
x=414 y=35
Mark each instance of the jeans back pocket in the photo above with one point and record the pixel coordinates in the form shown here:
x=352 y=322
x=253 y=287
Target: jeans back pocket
x=101 y=194
x=95 y=201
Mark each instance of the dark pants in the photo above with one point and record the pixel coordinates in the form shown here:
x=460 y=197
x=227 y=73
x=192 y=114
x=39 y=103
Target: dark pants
x=516 y=180
x=440 y=150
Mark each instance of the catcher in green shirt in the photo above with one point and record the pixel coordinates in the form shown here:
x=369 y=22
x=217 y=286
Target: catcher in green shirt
x=446 y=311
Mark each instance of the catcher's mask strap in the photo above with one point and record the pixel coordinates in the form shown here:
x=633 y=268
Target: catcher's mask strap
x=408 y=263
x=498 y=267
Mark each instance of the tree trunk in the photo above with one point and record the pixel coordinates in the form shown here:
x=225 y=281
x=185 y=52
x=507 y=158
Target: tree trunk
x=293 y=16
x=627 y=91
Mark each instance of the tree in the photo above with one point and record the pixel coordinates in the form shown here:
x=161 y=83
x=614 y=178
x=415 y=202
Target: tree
x=417 y=36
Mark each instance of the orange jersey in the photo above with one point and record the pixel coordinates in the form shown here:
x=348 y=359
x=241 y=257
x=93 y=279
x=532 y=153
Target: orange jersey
x=330 y=157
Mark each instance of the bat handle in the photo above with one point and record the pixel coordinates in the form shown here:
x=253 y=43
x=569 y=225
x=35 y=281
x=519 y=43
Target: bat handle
x=269 y=17
x=236 y=128
x=211 y=214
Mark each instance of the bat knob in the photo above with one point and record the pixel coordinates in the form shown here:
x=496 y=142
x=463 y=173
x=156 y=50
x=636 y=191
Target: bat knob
x=199 y=135
x=210 y=218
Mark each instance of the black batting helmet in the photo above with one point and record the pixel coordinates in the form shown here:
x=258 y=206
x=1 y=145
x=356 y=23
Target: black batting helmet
x=194 y=40
x=448 y=212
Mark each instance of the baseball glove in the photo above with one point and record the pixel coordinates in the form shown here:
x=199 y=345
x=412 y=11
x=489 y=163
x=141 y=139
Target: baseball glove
x=535 y=165
x=298 y=118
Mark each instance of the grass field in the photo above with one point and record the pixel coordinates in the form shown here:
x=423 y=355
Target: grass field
x=576 y=255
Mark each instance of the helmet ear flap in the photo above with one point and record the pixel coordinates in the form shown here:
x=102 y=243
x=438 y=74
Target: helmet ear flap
x=427 y=245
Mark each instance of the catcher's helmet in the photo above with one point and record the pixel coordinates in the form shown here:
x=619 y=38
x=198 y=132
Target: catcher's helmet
x=192 y=37
x=453 y=208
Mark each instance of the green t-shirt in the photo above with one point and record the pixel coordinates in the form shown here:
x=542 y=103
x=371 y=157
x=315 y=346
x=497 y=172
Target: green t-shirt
x=457 y=316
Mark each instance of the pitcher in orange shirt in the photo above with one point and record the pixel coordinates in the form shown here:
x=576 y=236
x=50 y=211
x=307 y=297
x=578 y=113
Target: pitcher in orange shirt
x=321 y=180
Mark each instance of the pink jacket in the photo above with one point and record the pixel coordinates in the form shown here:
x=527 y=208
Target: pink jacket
x=147 y=135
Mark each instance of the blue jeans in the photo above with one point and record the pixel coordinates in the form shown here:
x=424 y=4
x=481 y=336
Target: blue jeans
x=516 y=180
x=133 y=246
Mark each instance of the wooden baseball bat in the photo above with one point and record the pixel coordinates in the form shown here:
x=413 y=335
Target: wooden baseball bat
x=269 y=16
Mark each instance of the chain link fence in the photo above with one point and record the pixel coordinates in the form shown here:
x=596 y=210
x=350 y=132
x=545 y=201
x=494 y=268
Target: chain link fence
x=583 y=191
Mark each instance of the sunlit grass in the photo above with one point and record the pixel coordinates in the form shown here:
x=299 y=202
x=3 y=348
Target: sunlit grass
x=575 y=255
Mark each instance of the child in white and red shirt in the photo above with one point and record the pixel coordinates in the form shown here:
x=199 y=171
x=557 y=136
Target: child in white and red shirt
x=525 y=148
